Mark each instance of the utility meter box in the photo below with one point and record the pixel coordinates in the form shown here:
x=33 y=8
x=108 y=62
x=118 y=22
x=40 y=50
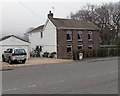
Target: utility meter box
x=80 y=56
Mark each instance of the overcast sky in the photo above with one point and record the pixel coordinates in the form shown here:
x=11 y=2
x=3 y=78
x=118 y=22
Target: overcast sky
x=19 y=15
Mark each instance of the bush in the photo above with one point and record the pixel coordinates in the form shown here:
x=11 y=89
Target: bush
x=46 y=54
x=96 y=53
x=75 y=55
x=52 y=55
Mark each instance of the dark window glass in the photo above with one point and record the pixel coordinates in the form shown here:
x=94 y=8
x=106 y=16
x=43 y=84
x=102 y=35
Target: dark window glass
x=90 y=35
x=79 y=47
x=10 y=51
x=7 y=51
x=79 y=36
x=68 y=36
x=89 y=47
x=68 y=49
x=19 y=51
x=41 y=34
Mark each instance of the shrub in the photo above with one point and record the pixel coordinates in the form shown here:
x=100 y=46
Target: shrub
x=45 y=54
x=111 y=52
x=75 y=55
x=96 y=53
x=52 y=55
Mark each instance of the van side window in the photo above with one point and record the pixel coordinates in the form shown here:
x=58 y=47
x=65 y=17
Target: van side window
x=10 y=51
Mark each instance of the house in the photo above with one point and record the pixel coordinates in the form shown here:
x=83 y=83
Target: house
x=12 y=41
x=65 y=35
x=35 y=36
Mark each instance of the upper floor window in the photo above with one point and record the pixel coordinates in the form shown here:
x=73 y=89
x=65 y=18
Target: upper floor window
x=41 y=34
x=69 y=36
x=79 y=35
x=89 y=35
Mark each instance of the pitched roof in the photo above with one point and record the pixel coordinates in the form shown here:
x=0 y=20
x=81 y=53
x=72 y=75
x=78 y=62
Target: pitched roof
x=73 y=24
x=6 y=37
x=37 y=29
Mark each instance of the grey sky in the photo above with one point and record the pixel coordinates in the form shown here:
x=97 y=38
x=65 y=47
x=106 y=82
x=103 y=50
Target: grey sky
x=18 y=17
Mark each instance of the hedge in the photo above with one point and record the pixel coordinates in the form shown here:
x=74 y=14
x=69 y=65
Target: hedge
x=102 y=52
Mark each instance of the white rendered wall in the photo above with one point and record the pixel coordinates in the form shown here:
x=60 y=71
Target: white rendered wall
x=48 y=41
x=35 y=39
x=49 y=38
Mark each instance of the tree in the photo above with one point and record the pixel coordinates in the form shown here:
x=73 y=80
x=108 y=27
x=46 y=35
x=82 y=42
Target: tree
x=106 y=17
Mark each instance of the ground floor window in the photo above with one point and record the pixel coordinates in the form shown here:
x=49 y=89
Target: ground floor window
x=69 y=46
x=80 y=45
x=69 y=49
x=90 y=46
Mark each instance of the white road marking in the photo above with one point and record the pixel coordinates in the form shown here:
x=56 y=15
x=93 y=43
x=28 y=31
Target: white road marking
x=32 y=86
x=60 y=81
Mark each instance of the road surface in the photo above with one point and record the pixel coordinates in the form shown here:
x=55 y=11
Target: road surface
x=78 y=77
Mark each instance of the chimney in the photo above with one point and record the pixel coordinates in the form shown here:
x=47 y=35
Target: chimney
x=50 y=15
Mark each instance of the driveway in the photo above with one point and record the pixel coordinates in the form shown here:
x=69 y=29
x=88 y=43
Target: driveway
x=34 y=61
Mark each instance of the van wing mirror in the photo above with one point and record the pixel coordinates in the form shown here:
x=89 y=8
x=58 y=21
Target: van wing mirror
x=4 y=51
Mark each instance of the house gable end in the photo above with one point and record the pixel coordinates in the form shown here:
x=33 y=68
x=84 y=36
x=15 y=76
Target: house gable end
x=13 y=41
x=48 y=20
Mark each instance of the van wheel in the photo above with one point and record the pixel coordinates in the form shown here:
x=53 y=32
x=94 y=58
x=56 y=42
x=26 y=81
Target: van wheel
x=10 y=61
x=3 y=59
x=23 y=61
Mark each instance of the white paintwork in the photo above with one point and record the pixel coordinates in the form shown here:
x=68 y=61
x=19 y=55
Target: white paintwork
x=35 y=39
x=49 y=40
x=14 y=42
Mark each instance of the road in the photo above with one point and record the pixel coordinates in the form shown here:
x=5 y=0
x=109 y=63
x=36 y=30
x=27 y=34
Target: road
x=77 y=77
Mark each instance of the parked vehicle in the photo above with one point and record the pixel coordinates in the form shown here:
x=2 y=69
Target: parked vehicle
x=14 y=54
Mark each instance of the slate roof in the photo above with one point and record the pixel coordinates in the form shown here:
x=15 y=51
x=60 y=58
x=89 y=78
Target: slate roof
x=73 y=24
x=6 y=37
x=61 y=23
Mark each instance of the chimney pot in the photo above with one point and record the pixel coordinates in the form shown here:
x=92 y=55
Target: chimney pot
x=50 y=15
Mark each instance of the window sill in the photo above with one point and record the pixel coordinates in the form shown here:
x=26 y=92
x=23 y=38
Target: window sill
x=90 y=40
x=80 y=40
x=69 y=40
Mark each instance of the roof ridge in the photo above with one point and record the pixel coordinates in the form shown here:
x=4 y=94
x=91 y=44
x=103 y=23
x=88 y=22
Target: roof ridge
x=69 y=19
x=41 y=26
x=8 y=36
